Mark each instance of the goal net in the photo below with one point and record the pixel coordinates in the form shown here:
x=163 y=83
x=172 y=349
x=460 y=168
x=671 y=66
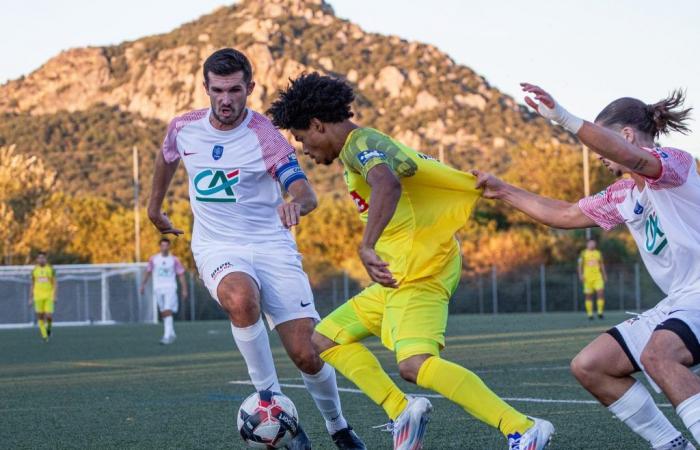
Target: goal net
x=87 y=294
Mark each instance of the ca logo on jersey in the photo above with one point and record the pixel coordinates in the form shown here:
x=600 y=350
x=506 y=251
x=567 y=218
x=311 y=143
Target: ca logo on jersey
x=655 y=237
x=216 y=185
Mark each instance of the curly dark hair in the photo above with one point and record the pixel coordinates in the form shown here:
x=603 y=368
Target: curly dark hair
x=312 y=96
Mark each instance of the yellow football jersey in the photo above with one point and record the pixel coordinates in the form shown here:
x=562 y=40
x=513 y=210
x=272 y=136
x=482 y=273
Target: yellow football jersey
x=435 y=202
x=43 y=281
x=590 y=259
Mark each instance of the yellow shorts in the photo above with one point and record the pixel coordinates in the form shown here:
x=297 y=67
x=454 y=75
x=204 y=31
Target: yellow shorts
x=43 y=305
x=410 y=320
x=593 y=284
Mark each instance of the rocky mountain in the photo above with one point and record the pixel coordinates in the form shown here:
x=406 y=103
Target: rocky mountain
x=408 y=89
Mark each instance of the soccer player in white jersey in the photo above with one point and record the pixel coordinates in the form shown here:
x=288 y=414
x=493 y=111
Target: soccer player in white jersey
x=236 y=161
x=164 y=268
x=659 y=202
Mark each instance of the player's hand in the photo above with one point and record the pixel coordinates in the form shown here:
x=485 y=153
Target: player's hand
x=377 y=269
x=541 y=96
x=142 y=289
x=31 y=301
x=163 y=223
x=290 y=213
x=184 y=295
x=545 y=105
x=493 y=187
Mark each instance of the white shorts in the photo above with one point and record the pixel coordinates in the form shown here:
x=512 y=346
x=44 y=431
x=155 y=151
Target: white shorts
x=285 y=292
x=166 y=299
x=636 y=332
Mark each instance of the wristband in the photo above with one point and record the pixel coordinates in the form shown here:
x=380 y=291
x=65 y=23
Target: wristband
x=561 y=116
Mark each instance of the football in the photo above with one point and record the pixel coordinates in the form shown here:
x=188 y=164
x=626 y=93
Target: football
x=267 y=420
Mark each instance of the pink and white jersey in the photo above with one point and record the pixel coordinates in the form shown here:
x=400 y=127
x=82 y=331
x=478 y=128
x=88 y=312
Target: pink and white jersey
x=622 y=202
x=235 y=178
x=163 y=270
x=664 y=220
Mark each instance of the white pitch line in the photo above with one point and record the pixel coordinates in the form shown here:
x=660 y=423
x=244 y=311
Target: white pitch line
x=508 y=399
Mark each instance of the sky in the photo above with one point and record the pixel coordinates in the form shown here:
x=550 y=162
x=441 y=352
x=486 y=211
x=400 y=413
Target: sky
x=585 y=53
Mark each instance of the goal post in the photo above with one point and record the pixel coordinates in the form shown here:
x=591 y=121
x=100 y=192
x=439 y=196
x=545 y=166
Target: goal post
x=87 y=294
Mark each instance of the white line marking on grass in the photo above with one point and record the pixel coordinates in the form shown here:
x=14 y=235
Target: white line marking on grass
x=508 y=399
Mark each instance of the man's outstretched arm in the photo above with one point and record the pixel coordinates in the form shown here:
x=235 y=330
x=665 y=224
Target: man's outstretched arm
x=162 y=176
x=548 y=211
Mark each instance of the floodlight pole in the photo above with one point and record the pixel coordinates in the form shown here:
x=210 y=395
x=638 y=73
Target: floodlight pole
x=586 y=182
x=137 y=214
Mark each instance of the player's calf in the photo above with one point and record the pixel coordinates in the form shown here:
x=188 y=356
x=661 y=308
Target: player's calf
x=296 y=336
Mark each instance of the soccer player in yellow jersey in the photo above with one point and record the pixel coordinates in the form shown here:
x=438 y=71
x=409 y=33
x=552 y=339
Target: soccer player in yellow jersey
x=591 y=272
x=412 y=206
x=42 y=292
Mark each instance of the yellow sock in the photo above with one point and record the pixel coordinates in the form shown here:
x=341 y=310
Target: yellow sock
x=468 y=391
x=589 y=307
x=42 y=328
x=601 y=306
x=361 y=367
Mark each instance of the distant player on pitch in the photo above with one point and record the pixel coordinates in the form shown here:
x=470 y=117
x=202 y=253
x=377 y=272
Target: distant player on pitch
x=236 y=161
x=412 y=206
x=591 y=272
x=164 y=268
x=660 y=205
x=42 y=292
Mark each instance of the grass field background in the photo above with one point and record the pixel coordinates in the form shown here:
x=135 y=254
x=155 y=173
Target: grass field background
x=115 y=387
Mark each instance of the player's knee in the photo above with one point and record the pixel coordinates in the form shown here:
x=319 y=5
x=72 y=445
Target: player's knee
x=652 y=359
x=243 y=310
x=409 y=368
x=585 y=369
x=321 y=343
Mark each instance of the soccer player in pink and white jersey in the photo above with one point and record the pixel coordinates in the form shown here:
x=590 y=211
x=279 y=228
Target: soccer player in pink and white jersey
x=164 y=268
x=236 y=161
x=659 y=203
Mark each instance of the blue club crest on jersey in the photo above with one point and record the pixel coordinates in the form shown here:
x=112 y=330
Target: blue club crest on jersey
x=217 y=152
x=638 y=209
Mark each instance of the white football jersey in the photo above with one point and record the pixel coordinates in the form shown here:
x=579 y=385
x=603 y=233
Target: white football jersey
x=234 y=178
x=163 y=270
x=664 y=220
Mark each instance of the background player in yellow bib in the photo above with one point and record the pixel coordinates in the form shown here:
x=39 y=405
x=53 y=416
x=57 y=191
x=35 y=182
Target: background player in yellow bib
x=42 y=292
x=412 y=206
x=591 y=272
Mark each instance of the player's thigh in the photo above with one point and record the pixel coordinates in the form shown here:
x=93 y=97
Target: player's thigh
x=286 y=291
x=39 y=305
x=415 y=320
x=228 y=274
x=677 y=338
x=607 y=354
x=415 y=314
x=170 y=301
x=588 y=286
x=599 y=285
x=356 y=319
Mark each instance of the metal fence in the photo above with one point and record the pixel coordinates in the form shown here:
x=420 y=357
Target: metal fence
x=109 y=293
x=535 y=289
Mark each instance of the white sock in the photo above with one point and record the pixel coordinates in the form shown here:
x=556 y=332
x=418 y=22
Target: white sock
x=168 y=329
x=254 y=344
x=689 y=412
x=324 y=390
x=638 y=411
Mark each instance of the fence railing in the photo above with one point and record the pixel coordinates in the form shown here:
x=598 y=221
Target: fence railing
x=109 y=293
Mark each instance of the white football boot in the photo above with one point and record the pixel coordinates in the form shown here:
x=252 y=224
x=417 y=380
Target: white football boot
x=537 y=437
x=410 y=427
